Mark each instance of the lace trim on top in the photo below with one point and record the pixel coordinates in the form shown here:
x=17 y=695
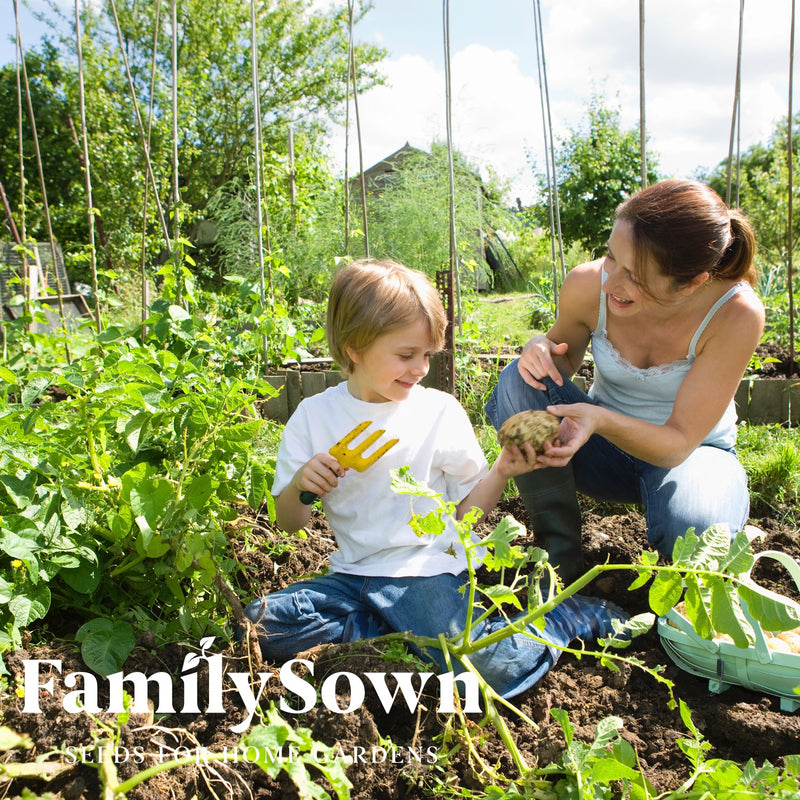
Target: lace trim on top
x=600 y=333
x=600 y=338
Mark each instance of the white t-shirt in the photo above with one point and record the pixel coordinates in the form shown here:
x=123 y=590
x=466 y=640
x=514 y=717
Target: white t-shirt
x=370 y=521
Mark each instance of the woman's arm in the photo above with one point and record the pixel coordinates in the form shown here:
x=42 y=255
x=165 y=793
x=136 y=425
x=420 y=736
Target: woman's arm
x=702 y=399
x=560 y=352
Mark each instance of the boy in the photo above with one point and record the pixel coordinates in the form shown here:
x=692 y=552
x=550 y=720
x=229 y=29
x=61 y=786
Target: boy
x=384 y=322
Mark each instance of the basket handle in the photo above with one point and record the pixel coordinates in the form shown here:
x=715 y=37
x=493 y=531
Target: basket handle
x=793 y=568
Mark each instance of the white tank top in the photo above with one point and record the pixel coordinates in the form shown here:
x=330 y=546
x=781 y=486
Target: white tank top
x=649 y=393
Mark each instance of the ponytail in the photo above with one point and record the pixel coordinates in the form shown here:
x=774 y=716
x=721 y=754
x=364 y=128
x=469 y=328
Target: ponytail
x=737 y=262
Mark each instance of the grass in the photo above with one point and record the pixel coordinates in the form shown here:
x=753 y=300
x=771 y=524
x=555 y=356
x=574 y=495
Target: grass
x=494 y=320
x=770 y=455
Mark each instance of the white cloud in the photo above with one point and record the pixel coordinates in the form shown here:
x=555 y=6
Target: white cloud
x=592 y=47
x=494 y=111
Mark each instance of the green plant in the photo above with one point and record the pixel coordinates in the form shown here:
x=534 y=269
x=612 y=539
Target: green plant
x=770 y=455
x=119 y=474
x=275 y=746
x=609 y=767
x=589 y=770
x=543 y=303
x=708 y=568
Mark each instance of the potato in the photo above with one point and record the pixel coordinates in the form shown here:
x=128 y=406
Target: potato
x=792 y=638
x=536 y=427
x=778 y=644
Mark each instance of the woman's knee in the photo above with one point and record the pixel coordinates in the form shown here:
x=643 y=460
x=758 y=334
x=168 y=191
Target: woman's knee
x=512 y=395
x=712 y=491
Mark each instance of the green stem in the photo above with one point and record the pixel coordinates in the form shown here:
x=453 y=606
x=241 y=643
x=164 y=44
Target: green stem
x=175 y=763
x=470 y=597
x=499 y=724
x=93 y=457
x=128 y=563
x=539 y=611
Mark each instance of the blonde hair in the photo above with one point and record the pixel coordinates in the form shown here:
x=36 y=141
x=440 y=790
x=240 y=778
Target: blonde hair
x=369 y=298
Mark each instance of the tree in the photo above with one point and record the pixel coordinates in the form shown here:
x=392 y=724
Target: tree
x=302 y=55
x=597 y=167
x=60 y=155
x=763 y=192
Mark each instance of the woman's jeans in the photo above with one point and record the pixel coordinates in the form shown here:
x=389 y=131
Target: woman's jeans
x=709 y=487
x=337 y=608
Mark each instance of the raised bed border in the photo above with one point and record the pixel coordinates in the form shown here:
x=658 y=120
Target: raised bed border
x=758 y=400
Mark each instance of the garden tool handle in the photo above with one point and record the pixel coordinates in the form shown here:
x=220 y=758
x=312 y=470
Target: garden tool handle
x=307 y=498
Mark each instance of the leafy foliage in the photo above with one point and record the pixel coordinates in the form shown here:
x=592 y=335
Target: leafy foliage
x=118 y=475
x=302 y=54
x=408 y=216
x=596 y=169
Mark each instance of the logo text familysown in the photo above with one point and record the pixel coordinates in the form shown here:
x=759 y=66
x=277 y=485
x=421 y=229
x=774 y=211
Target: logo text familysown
x=137 y=686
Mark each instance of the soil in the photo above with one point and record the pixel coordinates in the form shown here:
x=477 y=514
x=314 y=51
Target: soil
x=775 y=361
x=738 y=724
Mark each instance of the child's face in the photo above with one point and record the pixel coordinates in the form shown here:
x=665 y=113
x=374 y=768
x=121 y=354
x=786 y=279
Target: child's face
x=392 y=365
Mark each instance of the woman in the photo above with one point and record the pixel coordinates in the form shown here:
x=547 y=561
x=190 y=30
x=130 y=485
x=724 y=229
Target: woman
x=673 y=321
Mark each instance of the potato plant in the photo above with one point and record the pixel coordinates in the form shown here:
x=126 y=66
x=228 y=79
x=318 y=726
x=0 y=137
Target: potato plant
x=711 y=570
x=118 y=474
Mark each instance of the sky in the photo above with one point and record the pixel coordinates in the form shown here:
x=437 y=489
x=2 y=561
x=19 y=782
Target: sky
x=591 y=48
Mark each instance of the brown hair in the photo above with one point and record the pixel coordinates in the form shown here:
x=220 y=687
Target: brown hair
x=371 y=297
x=686 y=228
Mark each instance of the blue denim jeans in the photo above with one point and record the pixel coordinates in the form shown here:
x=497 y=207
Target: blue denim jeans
x=709 y=487
x=337 y=608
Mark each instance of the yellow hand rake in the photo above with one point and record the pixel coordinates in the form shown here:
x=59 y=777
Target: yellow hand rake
x=353 y=457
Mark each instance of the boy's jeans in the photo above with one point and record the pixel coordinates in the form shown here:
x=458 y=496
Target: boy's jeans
x=338 y=608
x=709 y=487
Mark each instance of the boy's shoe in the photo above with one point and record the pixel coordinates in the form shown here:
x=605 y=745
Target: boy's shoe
x=581 y=617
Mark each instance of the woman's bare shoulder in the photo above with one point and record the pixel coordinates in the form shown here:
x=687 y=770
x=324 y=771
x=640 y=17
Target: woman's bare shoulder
x=738 y=323
x=581 y=289
x=744 y=306
x=589 y=271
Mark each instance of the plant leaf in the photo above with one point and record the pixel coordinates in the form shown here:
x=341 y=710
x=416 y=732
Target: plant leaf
x=105 y=644
x=727 y=615
x=665 y=592
x=774 y=613
x=30 y=604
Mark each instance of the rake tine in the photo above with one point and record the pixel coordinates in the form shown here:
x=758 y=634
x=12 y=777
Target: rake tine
x=367 y=443
x=354 y=433
x=379 y=452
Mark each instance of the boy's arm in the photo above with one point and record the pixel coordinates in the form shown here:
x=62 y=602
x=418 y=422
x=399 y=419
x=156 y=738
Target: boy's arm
x=485 y=494
x=318 y=475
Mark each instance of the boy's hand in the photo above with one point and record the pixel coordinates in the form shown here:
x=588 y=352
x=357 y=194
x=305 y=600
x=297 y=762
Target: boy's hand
x=514 y=460
x=318 y=475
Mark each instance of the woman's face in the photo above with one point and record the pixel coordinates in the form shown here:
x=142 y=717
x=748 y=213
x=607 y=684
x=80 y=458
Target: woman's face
x=625 y=288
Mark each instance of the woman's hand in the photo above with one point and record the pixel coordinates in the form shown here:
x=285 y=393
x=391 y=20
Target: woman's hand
x=318 y=475
x=537 y=361
x=578 y=422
